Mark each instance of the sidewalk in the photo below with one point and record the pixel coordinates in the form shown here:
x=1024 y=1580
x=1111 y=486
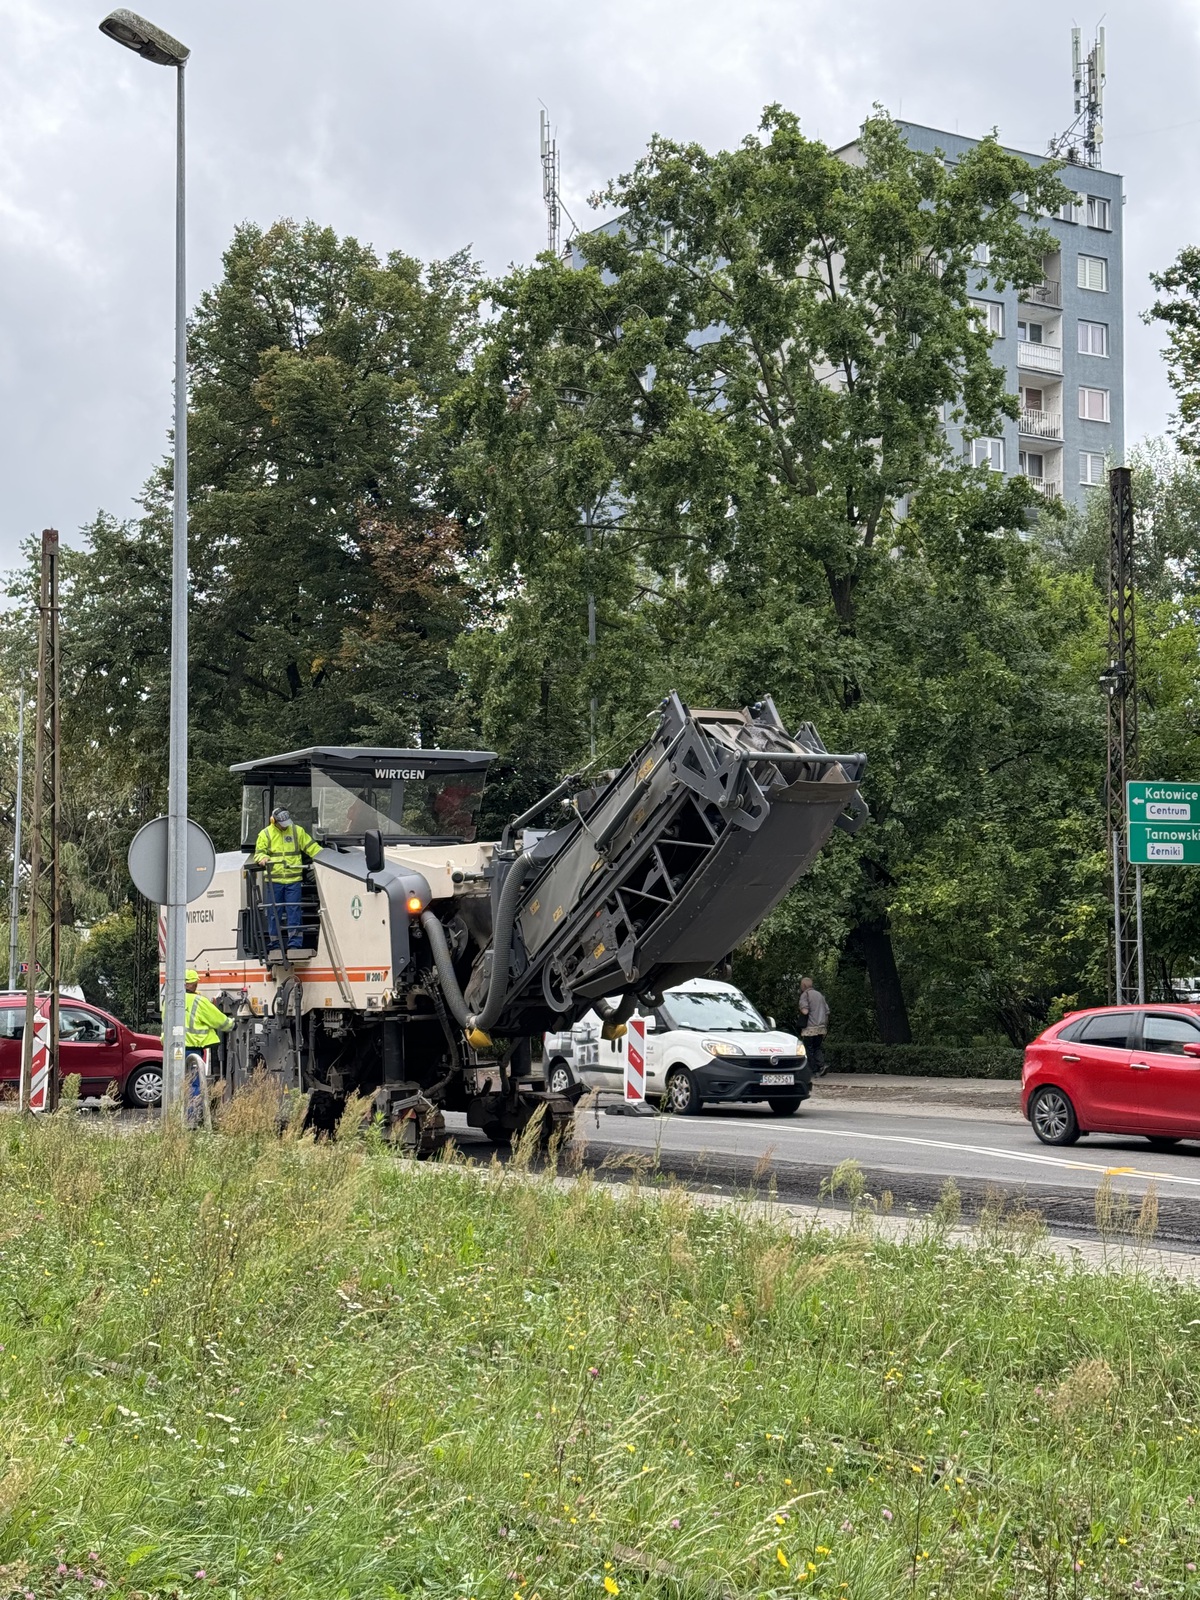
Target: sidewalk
x=900 y=1090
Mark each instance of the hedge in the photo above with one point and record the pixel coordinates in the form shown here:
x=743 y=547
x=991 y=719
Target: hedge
x=925 y=1060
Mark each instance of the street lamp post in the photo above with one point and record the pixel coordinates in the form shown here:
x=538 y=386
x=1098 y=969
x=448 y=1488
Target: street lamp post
x=136 y=34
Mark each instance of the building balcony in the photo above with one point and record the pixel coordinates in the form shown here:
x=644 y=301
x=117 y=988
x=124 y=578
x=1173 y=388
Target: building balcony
x=1048 y=488
x=1046 y=293
x=1039 y=357
x=1041 y=424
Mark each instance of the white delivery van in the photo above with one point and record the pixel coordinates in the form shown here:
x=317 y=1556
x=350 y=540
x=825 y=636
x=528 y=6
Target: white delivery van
x=706 y=1042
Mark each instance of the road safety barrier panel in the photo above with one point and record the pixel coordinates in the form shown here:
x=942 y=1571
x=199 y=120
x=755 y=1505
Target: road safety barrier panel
x=39 y=1068
x=635 y=1061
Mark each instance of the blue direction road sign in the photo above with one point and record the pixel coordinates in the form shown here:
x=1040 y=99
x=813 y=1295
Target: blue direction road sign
x=1164 y=824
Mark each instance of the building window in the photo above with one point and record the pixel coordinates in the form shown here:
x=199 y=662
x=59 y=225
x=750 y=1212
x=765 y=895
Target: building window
x=1032 y=464
x=1093 y=272
x=1093 y=338
x=1073 y=210
x=988 y=453
x=1091 y=467
x=1098 y=212
x=1031 y=332
x=991 y=315
x=1093 y=405
x=981 y=254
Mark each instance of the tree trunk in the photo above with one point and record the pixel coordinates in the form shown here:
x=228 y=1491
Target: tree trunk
x=871 y=942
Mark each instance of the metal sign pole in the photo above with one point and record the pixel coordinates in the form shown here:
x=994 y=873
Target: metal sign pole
x=1116 y=861
x=1141 y=953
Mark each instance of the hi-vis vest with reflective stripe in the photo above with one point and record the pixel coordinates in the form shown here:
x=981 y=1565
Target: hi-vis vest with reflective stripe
x=203 y=1022
x=285 y=850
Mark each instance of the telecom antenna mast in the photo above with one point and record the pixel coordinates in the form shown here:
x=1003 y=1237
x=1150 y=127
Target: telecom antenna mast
x=39 y=1044
x=550 y=177
x=1080 y=144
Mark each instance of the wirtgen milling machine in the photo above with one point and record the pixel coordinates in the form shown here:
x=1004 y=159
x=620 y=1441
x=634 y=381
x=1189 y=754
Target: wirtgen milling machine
x=430 y=961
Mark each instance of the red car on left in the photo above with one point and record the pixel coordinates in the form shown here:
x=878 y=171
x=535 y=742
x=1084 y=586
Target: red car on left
x=93 y=1044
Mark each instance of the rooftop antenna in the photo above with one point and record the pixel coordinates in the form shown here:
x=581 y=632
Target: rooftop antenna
x=550 y=185
x=1080 y=144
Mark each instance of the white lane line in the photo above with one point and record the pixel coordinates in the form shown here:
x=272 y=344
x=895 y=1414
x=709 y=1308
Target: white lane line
x=1028 y=1156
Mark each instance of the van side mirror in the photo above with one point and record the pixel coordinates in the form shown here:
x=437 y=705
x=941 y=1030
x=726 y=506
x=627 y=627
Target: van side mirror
x=110 y=1033
x=771 y=1022
x=649 y=1024
x=1192 y=1050
x=373 y=849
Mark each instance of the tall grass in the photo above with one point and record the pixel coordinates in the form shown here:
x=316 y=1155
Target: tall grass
x=247 y=1365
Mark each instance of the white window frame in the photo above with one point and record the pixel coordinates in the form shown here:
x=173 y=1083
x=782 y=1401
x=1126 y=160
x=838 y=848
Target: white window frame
x=1088 y=459
x=991 y=314
x=1084 y=414
x=1027 y=323
x=1023 y=461
x=1099 y=205
x=982 y=255
x=988 y=453
x=1086 y=349
x=1084 y=273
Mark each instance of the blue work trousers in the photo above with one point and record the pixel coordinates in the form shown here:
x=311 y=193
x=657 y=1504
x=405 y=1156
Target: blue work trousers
x=283 y=914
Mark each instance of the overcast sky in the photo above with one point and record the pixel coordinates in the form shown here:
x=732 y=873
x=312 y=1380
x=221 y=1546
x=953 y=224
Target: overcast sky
x=415 y=126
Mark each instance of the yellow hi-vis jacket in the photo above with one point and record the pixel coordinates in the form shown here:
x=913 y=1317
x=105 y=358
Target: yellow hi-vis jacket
x=203 y=1023
x=283 y=851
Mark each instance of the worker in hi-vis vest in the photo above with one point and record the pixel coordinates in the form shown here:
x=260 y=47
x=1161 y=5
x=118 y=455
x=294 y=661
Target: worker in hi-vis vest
x=283 y=847
x=203 y=1022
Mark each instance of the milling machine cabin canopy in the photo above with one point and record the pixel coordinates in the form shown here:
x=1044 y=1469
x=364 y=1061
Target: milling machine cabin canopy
x=340 y=793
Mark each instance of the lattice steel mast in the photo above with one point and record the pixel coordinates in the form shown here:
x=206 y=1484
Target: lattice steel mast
x=1120 y=683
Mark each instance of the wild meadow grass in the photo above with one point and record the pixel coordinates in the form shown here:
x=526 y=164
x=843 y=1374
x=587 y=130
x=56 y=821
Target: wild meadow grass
x=247 y=1365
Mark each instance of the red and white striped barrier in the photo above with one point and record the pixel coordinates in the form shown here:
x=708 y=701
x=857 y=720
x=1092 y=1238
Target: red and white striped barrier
x=635 y=1061
x=39 y=1065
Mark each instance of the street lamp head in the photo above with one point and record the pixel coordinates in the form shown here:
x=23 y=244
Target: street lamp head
x=135 y=33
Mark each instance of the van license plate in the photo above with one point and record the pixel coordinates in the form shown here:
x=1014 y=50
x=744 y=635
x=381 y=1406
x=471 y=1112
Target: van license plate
x=778 y=1077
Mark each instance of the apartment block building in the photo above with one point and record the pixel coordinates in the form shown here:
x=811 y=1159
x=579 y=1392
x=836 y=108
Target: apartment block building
x=1061 y=343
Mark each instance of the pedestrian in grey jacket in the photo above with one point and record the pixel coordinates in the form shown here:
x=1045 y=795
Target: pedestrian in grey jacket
x=814 y=1008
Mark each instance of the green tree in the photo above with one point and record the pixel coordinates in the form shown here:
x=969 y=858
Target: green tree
x=326 y=565
x=726 y=420
x=1179 y=309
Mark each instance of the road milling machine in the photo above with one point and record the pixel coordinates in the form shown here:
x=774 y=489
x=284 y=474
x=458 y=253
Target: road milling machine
x=430 y=961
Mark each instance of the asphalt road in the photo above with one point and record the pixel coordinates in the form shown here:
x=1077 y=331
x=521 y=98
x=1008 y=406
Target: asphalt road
x=906 y=1147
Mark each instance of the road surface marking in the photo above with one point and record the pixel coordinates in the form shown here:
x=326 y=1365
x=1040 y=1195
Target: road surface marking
x=1028 y=1156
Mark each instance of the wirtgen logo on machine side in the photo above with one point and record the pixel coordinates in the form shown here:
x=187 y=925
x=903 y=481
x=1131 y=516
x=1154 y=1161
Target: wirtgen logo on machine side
x=399 y=772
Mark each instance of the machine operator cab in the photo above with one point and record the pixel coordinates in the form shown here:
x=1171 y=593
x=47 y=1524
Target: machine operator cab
x=340 y=793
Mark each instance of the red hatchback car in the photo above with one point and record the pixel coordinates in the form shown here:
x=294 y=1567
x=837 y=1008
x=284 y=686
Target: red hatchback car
x=1123 y=1069
x=93 y=1044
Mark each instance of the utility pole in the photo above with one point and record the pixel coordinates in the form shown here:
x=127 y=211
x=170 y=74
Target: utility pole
x=145 y=944
x=154 y=44
x=14 y=899
x=39 y=1044
x=1119 y=681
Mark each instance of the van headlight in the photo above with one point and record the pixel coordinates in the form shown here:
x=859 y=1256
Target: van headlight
x=721 y=1047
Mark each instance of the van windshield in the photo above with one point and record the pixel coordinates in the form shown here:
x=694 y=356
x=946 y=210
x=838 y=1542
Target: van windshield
x=700 y=1009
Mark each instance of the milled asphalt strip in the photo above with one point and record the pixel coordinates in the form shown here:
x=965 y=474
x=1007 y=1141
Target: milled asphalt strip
x=979 y=1150
x=1094 y=1254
